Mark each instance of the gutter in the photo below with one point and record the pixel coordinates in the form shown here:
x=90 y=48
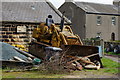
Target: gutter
x=37 y=23
x=103 y=13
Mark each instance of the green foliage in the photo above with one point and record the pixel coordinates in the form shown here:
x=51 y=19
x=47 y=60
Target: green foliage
x=115 y=41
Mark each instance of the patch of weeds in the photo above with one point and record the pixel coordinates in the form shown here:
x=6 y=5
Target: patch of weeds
x=53 y=68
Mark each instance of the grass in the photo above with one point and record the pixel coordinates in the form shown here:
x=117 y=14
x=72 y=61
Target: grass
x=109 y=67
x=30 y=74
x=112 y=53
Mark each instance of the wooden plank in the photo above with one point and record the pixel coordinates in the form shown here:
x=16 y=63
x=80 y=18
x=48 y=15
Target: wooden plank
x=19 y=59
x=24 y=53
x=42 y=44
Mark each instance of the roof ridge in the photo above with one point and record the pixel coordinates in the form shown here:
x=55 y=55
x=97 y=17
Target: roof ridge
x=53 y=7
x=93 y=3
x=96 y=7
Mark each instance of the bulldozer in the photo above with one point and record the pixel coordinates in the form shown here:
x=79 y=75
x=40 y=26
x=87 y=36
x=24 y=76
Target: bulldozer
x=60 y=36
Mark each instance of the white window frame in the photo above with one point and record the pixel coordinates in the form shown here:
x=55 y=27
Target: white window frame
x=113 y=20
x=99 y=20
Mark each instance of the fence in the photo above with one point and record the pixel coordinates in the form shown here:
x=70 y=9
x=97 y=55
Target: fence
x=107 y=46
x=112 y=47
x=99 y=43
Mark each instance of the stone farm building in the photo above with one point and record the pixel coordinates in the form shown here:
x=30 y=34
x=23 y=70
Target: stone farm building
x=90 y=20
x=20 y=18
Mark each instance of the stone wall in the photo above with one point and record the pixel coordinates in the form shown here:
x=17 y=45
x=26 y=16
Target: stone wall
x=17 y=33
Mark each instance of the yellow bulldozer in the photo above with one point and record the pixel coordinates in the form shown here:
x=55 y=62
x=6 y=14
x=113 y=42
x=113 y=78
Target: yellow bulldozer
x=54 y=37
x=60 y=36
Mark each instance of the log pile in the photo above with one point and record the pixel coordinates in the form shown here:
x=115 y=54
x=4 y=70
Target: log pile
x=78 y=63
x=70 y=63
x=58 y=60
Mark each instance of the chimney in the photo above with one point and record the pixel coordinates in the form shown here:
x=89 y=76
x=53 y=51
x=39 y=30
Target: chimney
x=69 y=0
x=116 y=3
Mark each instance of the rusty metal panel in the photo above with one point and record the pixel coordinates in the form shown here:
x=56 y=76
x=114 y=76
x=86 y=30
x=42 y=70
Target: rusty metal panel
x=37 y=50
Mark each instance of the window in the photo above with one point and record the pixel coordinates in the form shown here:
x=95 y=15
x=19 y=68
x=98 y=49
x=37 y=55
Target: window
x=99 y=20
x=113 y=21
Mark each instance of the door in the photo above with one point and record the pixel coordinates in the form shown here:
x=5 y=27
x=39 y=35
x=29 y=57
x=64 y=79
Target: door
x=113 y=36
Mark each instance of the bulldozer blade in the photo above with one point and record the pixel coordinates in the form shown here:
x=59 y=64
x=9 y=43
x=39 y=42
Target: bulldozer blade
x=38 y=49
x=80 y=50
x=83 y=51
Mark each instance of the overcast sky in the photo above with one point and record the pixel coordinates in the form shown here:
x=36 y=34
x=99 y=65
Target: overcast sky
x=57 y=3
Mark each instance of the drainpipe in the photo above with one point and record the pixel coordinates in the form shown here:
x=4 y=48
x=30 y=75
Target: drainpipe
x=118 y=5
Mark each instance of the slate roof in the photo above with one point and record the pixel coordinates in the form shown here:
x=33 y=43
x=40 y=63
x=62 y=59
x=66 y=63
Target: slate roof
x=97 y=8
x=29 y=11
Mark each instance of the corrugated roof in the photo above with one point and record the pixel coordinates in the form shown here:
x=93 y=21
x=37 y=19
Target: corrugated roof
x=97 y=8
x=29 y=12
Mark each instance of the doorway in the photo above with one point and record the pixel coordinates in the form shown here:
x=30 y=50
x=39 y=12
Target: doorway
x=113 y=36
